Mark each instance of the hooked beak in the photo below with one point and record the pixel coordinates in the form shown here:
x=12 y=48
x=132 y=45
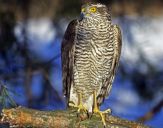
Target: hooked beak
x=81 y=15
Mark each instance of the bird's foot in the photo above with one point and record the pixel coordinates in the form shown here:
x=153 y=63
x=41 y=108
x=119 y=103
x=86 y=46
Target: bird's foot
x=102 y=114
x=96 y=110
x=80 y=105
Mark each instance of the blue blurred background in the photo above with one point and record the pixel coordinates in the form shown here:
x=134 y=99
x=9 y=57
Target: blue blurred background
x=30 y=57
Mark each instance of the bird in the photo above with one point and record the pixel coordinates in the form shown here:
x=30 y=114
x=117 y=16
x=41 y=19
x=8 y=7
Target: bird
x=91 y=49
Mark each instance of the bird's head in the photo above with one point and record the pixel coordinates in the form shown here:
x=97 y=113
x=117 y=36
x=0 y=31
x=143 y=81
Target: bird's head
x=93 y=10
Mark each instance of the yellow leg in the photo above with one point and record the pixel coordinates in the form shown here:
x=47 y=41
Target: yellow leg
x=80 y=105
x=96 y=109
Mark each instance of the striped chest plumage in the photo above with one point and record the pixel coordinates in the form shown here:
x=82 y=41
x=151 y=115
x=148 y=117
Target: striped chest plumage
x=94 y=49
x=91 y=49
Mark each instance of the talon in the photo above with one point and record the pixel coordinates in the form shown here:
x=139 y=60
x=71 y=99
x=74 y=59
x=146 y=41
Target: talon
x=96 y=110
x=71 y=104
x=80 y=105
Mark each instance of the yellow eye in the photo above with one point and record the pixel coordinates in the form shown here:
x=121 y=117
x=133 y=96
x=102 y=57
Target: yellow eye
x=93 y=9
x=83 y=10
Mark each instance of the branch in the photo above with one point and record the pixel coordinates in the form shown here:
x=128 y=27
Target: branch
x=24 y=117
x=149 y=115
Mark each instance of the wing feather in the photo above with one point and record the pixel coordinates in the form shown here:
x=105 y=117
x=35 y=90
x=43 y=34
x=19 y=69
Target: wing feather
x=107 y=83
x=68 y=57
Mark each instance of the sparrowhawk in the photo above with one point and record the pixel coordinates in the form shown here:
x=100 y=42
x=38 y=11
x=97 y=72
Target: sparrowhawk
x=91 y=50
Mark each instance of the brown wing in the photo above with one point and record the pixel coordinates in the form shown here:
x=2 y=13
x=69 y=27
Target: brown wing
x=67 y=57
x=107 y=83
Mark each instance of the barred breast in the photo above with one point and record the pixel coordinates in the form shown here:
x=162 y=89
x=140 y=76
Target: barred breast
x=94 y=51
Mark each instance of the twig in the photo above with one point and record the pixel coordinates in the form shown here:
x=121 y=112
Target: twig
x=152 y=112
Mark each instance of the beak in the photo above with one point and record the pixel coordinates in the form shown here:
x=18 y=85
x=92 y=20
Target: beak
x=81 y=15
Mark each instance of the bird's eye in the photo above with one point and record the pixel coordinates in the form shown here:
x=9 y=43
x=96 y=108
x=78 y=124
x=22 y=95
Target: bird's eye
x=93 y=9
x=83 y=10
